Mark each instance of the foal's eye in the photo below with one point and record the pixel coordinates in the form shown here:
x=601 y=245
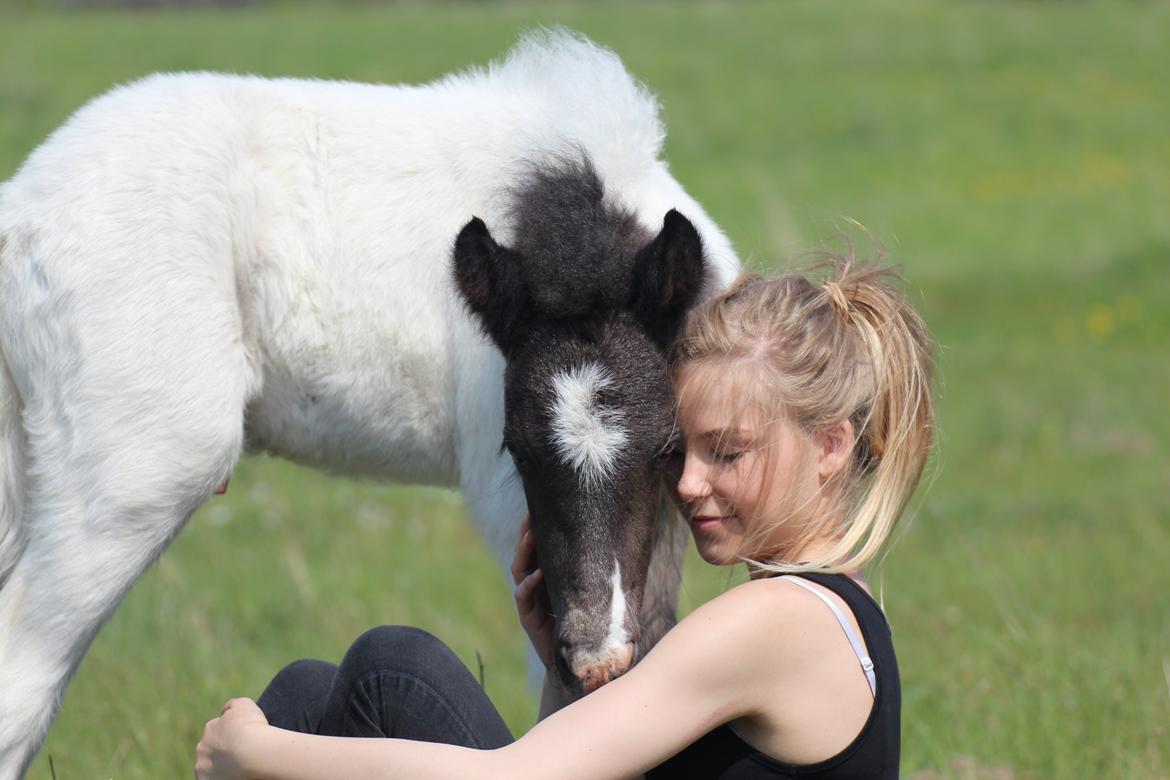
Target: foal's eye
x=517 y=457
x=671 y=450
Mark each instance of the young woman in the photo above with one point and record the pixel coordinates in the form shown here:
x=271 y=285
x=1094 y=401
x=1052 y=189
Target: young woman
x=805 y=419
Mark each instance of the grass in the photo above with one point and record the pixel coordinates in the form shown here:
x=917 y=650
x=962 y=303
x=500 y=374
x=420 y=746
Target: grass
x=1015 y=158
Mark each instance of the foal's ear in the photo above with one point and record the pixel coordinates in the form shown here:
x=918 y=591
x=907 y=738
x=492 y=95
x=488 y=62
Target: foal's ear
x=668 y=275
x=490 y=280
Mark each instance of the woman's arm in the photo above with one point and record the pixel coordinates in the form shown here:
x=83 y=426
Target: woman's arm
x=277 y=754
x=712 y=667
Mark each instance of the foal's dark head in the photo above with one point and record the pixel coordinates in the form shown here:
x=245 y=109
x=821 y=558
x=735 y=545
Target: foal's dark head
x=584 y=305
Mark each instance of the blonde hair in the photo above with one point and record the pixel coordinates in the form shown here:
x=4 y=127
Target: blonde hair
x=849 y=347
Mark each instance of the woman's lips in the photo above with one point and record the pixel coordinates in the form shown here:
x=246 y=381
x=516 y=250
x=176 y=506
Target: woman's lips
x=707 y=522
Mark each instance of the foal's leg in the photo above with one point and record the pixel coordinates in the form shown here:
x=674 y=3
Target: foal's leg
x=88 y=544
x=123 y=441
x=90 y=539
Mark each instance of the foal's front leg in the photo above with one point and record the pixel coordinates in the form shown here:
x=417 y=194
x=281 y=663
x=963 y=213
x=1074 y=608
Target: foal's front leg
x=116 y=457
x=86 y=548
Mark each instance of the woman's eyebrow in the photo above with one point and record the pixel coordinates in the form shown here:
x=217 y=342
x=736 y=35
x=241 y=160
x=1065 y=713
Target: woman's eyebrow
x=725 y=435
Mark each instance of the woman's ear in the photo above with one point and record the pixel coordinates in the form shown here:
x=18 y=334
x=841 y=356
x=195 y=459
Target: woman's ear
x=836 y=446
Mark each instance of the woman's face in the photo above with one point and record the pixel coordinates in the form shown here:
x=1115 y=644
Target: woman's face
x=738 y=475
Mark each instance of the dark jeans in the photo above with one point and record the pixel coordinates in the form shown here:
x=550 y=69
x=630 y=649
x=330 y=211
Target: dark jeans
x=394 y=681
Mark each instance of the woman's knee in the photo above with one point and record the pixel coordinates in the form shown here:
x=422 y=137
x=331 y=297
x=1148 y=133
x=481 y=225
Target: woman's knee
x=305 y=674
x=297 y=694
x=403 y=651
x=397 y=647
x=413 y=686
x=305 y=671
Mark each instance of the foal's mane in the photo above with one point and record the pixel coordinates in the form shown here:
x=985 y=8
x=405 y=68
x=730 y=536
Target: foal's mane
x=577 y=246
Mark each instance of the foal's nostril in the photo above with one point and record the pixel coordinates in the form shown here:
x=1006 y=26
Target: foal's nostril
x=624 y=658
x=593 y=678
x=593 y=670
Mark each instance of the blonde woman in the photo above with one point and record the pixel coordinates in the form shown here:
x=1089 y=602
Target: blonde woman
x=805 y=419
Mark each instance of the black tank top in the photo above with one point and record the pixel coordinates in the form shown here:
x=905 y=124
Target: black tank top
x=872 y=755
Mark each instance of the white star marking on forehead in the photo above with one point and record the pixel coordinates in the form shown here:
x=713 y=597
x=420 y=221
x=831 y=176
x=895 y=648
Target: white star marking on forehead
x=587 y=436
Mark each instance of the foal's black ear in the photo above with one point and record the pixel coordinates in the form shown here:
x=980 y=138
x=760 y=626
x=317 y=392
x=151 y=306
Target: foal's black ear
x=490 y=280
x=668 y=275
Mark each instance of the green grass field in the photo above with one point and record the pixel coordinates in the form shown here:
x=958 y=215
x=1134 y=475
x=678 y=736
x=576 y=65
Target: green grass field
x=1015 y=157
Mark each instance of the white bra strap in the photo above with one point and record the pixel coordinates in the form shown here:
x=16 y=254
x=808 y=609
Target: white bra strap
x=866 y=663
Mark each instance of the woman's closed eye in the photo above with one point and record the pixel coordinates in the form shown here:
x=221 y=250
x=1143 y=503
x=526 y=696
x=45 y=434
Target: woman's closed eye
x=727 y=456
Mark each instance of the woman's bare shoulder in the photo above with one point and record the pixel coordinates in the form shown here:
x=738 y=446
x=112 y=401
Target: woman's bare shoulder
x=766 y=599
x=779 y=620
x=737 y=635
x=765 y=615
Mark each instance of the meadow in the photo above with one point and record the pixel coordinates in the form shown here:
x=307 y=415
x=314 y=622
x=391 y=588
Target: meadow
x=1015 y=160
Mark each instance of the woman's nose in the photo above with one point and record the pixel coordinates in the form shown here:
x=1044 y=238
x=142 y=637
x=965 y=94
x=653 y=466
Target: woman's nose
x=693 y=483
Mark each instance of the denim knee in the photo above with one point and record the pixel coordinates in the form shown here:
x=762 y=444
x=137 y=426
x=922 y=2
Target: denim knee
x=302 y=674
x=400 y=681
x=396 y=647
x=297 y=694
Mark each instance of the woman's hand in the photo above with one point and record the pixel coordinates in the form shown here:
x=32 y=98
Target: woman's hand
x=532 y=602
x=223 y=752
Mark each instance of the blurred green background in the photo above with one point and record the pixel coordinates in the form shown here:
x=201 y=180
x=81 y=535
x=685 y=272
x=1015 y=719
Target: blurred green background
x=1015 y=159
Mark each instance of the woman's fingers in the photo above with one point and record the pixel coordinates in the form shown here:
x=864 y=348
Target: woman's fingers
x=520 y=567
x=532 y=603
x=524 y=561
x=525 y=588
x=532 y=607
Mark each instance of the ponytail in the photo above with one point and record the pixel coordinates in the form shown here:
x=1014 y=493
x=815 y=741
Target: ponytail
x=893 y=430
